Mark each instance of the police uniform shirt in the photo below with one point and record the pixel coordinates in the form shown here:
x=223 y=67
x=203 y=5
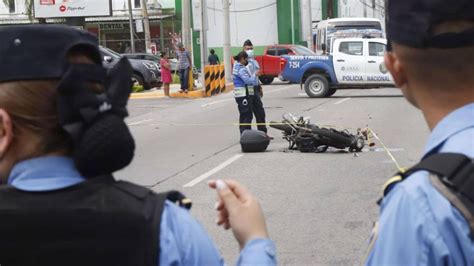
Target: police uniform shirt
x=418 y=225
x=183 y=241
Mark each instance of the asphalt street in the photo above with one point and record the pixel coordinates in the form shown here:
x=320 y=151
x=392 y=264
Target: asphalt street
x=319 y=207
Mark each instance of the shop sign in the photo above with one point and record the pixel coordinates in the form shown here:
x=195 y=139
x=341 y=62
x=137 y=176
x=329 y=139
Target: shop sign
x=112 y=26
x=72 y=8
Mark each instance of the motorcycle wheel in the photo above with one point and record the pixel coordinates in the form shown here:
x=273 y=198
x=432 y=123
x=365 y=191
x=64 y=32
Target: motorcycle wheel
x=336 y=140
x=358 y=145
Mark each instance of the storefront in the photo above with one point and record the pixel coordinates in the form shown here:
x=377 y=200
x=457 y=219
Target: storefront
x=115 y=34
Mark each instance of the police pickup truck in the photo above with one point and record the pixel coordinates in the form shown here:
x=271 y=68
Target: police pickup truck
x=353 y=63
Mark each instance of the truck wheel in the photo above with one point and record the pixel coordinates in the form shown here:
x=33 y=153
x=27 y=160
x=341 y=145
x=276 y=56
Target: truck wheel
x=331 y=92
x=316 y=86
x=266 y=80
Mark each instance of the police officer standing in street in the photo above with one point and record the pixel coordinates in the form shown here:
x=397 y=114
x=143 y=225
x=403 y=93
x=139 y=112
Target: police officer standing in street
x=62 y=135
x=257 y=104
x=244 y=93
x=426 y=215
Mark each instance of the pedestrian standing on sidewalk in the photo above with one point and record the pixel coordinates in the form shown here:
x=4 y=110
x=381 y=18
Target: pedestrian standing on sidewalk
x=244 y=83
x=254 y=68
x=213 y=58
x=184 y=66
x=165 y=73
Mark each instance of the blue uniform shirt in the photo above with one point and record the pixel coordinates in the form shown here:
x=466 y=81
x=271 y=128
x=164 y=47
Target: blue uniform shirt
x=182 y=241
x=418 y=225
x=253 y=67
x=242 y=76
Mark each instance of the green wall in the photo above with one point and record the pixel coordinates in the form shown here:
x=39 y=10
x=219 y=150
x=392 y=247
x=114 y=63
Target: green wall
x=324 y=9
x=284 y=21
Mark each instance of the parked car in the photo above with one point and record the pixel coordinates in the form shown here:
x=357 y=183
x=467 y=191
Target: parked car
x=145 y=72
x=155 y=58
x=271 y=62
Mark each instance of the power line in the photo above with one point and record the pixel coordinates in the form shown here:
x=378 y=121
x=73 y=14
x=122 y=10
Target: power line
x=245 y=10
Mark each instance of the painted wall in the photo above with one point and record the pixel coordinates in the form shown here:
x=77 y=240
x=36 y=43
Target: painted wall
x=362 y=8
x=249 y=19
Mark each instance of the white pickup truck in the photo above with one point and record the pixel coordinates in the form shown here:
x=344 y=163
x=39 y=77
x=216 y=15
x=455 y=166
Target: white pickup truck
x=354 y=63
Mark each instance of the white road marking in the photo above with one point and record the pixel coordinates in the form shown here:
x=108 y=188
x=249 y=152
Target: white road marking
x=383 y=150
x=341 y=101
x=213 y=171
x=215 y=102
x=302 y=94
x=140 y=122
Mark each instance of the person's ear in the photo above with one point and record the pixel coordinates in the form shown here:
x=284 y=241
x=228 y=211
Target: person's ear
x=393 y=64
x=6 y=132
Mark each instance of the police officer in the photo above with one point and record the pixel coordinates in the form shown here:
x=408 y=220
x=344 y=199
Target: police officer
x=244 y=84
x=257 y=103
x=62 y=134
x=431 y=58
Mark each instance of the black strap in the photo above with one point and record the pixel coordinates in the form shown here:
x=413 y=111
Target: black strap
x=441 y=164
x=453 y=177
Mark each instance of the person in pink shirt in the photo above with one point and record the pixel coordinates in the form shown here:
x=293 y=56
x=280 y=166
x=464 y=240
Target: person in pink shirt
x=165 y=73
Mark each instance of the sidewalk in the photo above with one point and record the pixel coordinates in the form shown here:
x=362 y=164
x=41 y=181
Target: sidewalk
x=154 y=93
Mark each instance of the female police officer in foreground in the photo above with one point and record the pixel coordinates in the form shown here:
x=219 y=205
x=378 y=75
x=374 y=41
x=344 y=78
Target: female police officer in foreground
x=62 y=134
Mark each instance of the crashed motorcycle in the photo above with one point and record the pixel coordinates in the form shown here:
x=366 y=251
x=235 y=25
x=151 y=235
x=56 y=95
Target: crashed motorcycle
x=307 y=137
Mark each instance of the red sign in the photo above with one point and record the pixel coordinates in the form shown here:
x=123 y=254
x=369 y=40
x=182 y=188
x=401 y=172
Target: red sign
x=62 y=8
x=47 y=2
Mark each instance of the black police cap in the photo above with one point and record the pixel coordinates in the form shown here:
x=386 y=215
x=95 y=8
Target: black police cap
x=410 y=22
x=248 y=43
x=35 y=52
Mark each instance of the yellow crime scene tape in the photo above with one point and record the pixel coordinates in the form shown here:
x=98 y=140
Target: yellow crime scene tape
x=370 y=134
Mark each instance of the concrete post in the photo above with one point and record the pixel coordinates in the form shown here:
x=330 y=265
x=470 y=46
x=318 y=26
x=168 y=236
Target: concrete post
x=310 y=21
x=227 y=47
x=146 y=26
x=186 y=25
x=203 y=38
x=132 y=36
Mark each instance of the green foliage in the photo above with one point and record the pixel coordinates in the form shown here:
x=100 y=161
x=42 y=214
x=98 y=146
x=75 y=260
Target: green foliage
x=137 y=88
x=175 y=78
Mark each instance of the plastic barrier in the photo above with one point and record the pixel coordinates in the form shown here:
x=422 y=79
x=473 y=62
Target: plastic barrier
x=214 y=80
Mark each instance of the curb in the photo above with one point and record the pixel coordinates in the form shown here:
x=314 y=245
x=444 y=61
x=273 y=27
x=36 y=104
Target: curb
x=192 y=94
x=147 y=95
x=195 y=94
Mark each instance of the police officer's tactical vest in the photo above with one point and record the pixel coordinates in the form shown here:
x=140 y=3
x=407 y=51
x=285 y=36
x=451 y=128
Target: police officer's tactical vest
x=97 y=222
x=452 y=175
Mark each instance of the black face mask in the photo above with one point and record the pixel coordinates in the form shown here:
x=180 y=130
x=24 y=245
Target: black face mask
x=246 y=63
x=102 y=141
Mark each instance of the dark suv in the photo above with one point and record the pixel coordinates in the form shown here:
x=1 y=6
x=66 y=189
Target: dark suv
x=145 y=73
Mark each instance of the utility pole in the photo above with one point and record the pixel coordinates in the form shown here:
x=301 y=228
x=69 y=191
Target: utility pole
x=292 y=22
x=146 y=25
x=130 y=18
x=186 y=24
x=310 y=26
x=227 y=51
x=203 y=38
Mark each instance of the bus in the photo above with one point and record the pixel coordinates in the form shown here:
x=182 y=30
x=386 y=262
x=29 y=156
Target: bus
x=329 y=30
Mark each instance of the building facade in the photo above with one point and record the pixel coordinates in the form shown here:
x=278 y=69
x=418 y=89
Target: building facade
x=265 y=22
